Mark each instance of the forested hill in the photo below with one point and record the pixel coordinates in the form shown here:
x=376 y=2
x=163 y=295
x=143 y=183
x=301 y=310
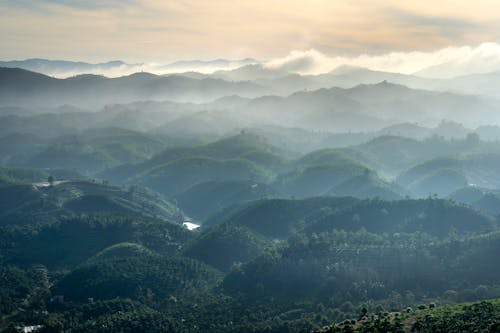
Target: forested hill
x=232 y=203
x=480 y=317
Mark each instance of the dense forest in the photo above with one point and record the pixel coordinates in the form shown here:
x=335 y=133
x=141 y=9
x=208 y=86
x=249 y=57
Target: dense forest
x=321 y=241
x=205 y=213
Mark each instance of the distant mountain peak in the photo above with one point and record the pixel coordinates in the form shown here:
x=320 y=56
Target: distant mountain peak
x=348 y=69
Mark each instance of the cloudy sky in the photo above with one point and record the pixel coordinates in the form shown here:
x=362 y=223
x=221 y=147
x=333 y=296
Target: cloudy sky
x=326 y=31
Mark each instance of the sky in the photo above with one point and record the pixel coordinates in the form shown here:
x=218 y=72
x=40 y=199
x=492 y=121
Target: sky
x=275 y=30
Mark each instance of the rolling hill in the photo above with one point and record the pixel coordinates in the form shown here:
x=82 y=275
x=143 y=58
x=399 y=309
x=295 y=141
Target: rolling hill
x=24 y=204
x=205 y=199
x=19 y=87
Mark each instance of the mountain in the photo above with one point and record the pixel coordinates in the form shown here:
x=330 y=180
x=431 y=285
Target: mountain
x=205 y=199
x=285 y=83
x=462 y=318
x=22 y=204
x=393 y=155
x=482 y=84
x=310 y=267
x=366 y=108
x=251 y=72
x=20 y=176
x=205 y=66
x=62 y=68
x=226 y=245
x=70 y=241
x=19 y=87
x=368 y=185
x=445 y=175
x=65 y=121
x=317 y=180
x=93 y=150
x=177 y=176
x=484 y=200
x=256 y=200
x=134 y=276
x=432 y=216
x=243 y=148
x=281 y=218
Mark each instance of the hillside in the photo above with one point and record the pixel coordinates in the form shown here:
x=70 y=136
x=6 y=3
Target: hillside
x=327 y=267
x=448 y=174
x=484 y=200
x=137 y=276
x=19 y=87
x=68 y=242
x=281 y=218
x=24 y=204
x=226 y=245
x=433 y=216
x=481 y=317
x=243 y=146
x=368 y=185
x=205 y=199
x=178 y=176
x=20 y=176
x=317 y=180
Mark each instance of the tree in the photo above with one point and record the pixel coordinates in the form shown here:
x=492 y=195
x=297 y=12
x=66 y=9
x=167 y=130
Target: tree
x=11 y=329
x=51 y=180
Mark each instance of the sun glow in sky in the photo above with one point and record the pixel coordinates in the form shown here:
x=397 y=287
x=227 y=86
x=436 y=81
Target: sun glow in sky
x=153 y=30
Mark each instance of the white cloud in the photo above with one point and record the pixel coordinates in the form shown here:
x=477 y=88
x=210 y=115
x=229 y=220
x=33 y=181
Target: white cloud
x=121 y=69
x=444 y=63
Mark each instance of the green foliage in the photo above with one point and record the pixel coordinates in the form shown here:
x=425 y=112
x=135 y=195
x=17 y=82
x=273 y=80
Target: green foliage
x=23 y=204
x=368 y=185
x=16 y=286
x=21 y=176
x=225 y=245
x=317 y=179
x=259 y=263
x=478 y=317
x=281 y=218
x=205 y=199
x=431 y=216
x=70 y=241
x=247 y=150
x=83 y=158
x=144 y=277
x=179 y=175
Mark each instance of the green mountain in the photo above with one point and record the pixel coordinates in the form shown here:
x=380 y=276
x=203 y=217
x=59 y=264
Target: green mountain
x=178 y=176
x=205 y=199
x=94 y=150
x=329 y=267
x=20 y=87
x=20 y=175
x=481 y=317
x=152 y=277
x=23 y=204
x=281 y=218
x=82 y=158
x=368 y=185
x=68 y=242
x=244 y=146
x=317 y=180
x=225 y=245
x=448 y=174
x=392 y=155
x=484 y=200
x=433 y=216
x=333 y=156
